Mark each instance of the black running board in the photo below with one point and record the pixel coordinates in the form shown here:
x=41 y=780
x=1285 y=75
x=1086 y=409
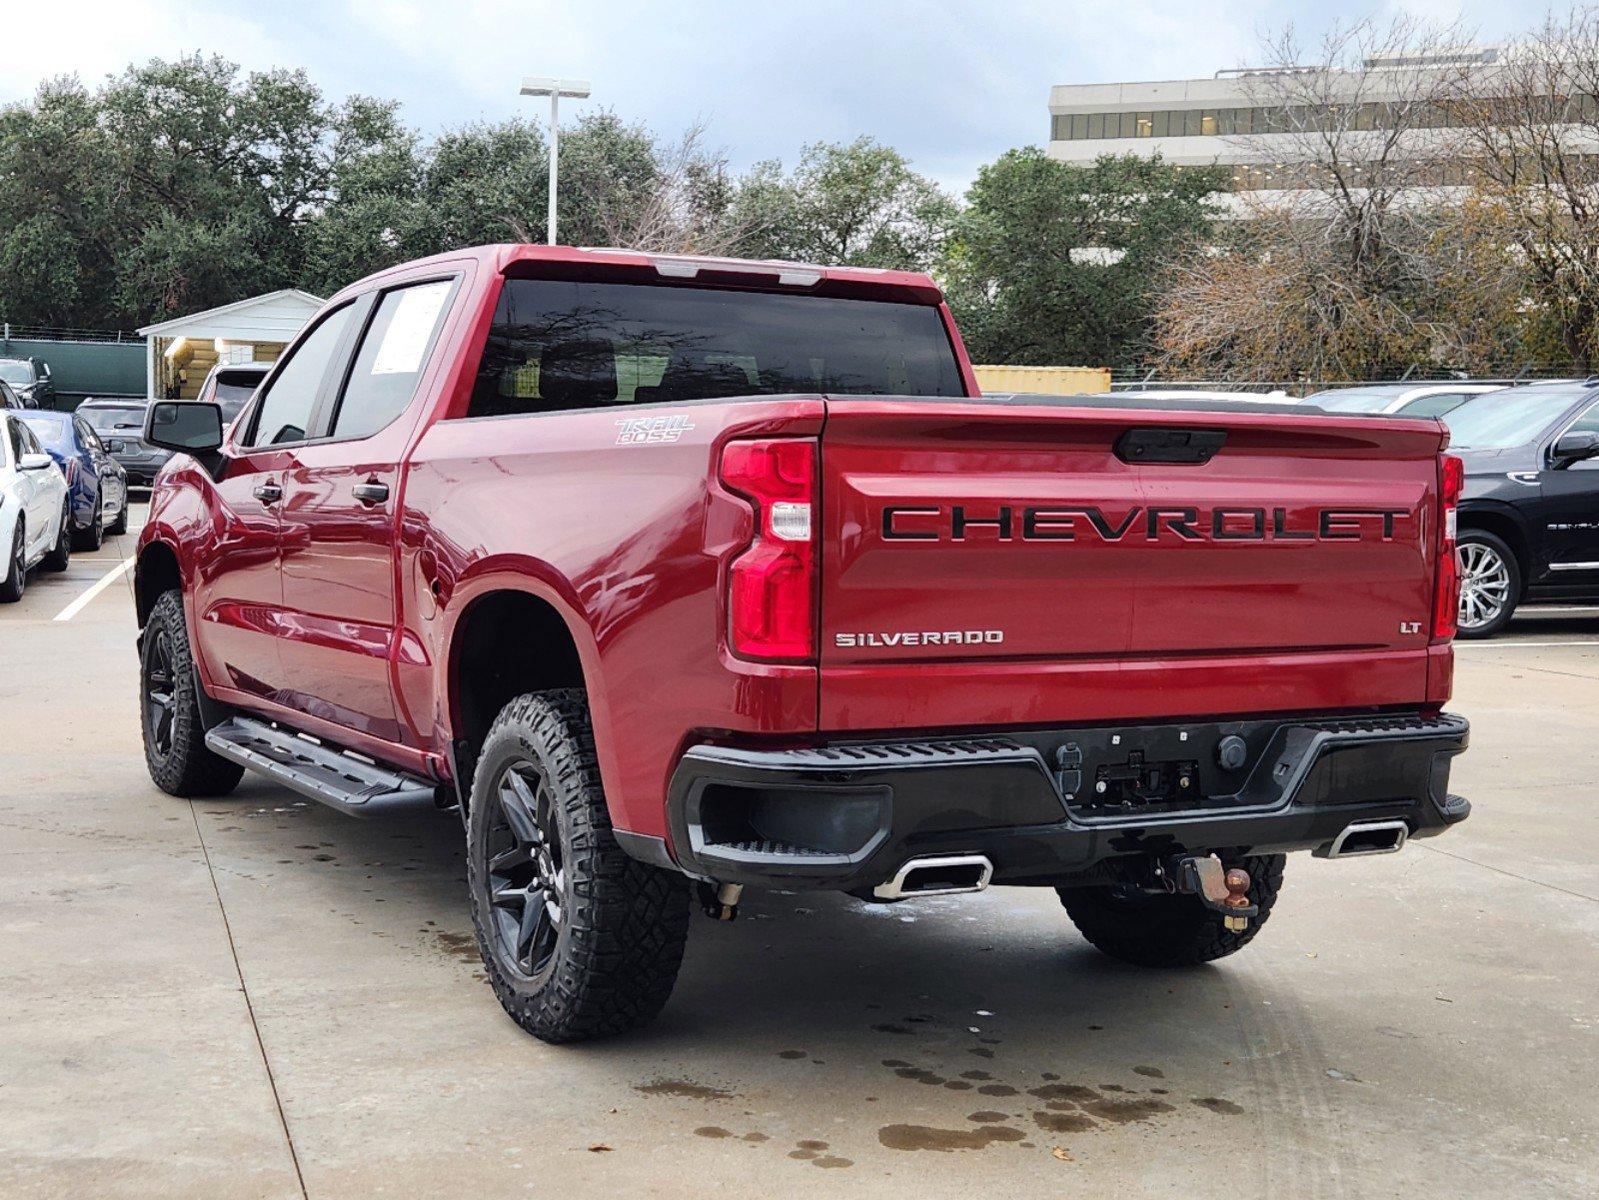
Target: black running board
x=349 y=782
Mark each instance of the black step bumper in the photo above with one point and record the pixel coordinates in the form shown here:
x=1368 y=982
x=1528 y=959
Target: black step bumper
x=849 y=814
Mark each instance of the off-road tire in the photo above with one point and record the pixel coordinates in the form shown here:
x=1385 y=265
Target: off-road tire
x=186 y=767
x=92 y=536
x=59 y=556
x=623 y=923
x=15 y=581
x=1170 y=931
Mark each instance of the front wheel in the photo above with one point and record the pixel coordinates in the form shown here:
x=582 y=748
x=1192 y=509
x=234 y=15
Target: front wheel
x=1170 y=931
x=579 y=940
x=1490 y=583
x=169 y=710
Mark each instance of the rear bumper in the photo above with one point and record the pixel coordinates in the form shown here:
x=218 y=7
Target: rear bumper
x=848 y=815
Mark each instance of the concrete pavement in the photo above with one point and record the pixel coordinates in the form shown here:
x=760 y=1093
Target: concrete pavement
x=256 y=997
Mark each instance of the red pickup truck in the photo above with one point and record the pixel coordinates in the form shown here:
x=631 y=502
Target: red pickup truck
x=679 y=575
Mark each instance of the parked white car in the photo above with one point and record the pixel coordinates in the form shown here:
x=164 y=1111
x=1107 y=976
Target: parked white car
x=35 y=518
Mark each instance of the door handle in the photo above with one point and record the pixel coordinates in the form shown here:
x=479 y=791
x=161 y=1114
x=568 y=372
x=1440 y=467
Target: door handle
x=371 y=492
x=267 y=493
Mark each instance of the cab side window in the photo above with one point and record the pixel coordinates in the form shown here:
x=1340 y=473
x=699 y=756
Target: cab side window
x=14 y=440
x=1587 y=423
x=284 y=412
x=394 y=352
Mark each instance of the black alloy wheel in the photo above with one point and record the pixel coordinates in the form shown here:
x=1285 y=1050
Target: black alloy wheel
x=525 y=883
x=160 y=692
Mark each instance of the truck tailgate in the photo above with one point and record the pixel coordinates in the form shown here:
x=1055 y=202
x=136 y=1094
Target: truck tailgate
x=1063 y=552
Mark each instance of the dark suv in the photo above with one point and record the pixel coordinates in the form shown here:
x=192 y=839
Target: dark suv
x=1529 y=517
x=29 y=378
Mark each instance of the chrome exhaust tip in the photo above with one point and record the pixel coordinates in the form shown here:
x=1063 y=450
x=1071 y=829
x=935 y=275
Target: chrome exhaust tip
x=943 y=876
x=1363 y=838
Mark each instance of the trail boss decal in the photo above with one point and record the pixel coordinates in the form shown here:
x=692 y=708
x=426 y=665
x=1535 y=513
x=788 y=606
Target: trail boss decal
x=1069 y=523
x=639 y=431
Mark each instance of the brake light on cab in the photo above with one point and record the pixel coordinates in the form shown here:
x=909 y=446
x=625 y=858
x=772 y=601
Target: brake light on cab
x=1446 y=594
x=771 y=592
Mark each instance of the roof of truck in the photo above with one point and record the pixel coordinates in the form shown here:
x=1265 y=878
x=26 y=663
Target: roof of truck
x=607 y=263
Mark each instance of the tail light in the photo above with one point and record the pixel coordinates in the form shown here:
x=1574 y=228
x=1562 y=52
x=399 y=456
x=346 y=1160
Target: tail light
x=1446 y=594
x=772 y=584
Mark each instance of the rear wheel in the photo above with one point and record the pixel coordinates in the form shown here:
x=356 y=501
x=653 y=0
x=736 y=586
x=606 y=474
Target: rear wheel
x=169 y=710
x=1170 y=931
x=1490 y=583
x=93 y=535
x=59 y=556
x=15 y=580
x=120 y=525
x=579 y=940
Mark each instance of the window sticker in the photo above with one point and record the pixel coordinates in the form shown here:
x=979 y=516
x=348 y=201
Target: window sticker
x=406 y=338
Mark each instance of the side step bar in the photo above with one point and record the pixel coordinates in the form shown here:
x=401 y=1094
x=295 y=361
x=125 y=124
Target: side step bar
x=341 y=779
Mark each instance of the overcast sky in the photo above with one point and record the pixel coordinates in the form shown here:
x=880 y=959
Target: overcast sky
x=950 y=84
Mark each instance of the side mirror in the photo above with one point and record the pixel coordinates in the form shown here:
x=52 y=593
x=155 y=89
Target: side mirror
x=34 y=462
x=116 y=446
x=183 y=425
x=1573 y=448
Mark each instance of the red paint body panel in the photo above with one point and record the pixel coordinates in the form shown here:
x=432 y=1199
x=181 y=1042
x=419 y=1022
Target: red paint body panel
x=340 y=618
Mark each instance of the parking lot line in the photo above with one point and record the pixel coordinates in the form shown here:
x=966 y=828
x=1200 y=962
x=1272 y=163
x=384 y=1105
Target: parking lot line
x=1511 y=644
x=93 y=590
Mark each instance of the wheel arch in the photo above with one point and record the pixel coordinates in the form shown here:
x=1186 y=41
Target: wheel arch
x=1510 y=530
x=508 y=639
x=156 y=571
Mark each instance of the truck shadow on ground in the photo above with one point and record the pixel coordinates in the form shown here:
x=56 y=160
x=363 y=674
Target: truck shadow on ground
x=948 y=1024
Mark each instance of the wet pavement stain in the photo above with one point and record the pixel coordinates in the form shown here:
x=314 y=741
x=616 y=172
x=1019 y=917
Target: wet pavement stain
x=1074 y=1092
x=459 y=945
x=1125 y=1112
x=926 y=1137
x=791 y=1054
x=987 y=1116
x=1063 y=1122
x=1149 y=1072
x=713 y=1131
x=831 y=1162
x=997 y=1089
x=1217 y=1105
x=685 y=1088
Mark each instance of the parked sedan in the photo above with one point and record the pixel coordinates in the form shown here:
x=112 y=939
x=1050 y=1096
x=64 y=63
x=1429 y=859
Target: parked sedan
x=9 y=398
x=35 y=518
x=1529 y=515
x=30 y=379
x=96 y=482
x=1408 y=399
x=120 y=424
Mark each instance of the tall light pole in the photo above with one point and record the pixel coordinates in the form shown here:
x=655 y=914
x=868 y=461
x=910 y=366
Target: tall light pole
x=547 y=85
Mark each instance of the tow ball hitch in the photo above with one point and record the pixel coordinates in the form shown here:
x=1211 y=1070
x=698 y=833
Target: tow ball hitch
x=1224 y=890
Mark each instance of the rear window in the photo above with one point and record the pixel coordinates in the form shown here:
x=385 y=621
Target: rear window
x=53 y=432
x=110 y=420
x=561 y=345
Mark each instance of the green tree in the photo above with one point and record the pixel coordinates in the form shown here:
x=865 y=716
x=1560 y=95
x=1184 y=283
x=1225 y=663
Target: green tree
x=62 y=206
x=1058 y=264
x=859 y=204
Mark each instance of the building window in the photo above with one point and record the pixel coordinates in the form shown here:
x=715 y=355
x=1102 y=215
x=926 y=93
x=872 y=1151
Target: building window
x=1146 y=124
x=1207 y=124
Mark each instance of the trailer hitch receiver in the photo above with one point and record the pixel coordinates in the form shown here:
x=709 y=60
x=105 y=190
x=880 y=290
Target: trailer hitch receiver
x=1226 y=890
